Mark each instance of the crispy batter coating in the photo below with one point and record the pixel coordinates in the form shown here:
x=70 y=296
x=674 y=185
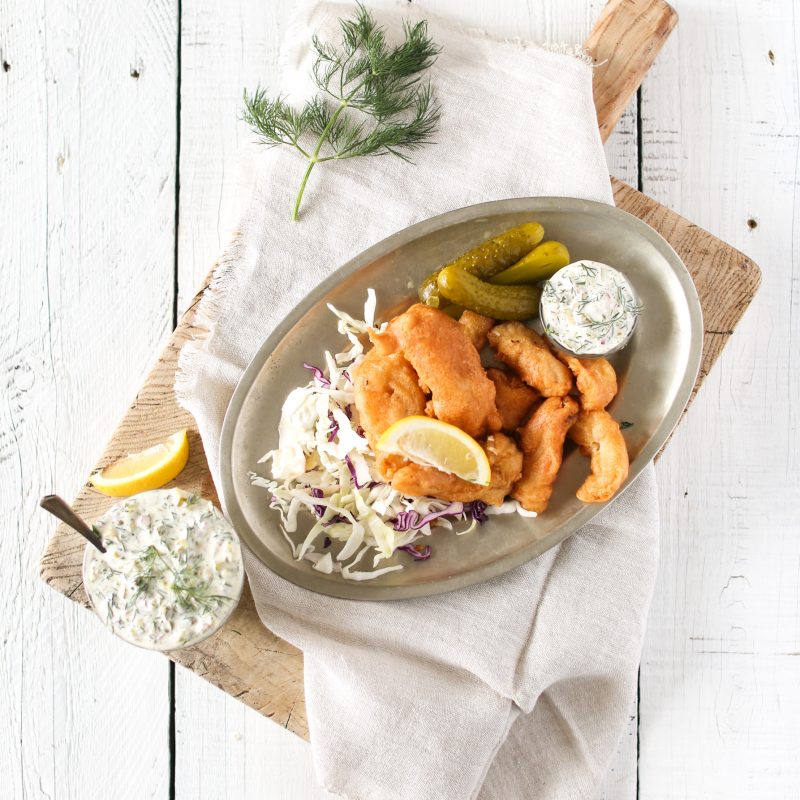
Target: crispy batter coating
x=477 y=327
x=598 y=435
x=505 y=458
x=595 y=378
x=386 y=390
x=542 y=442
x=514 y=398
x=529 y=356
x=448 y=365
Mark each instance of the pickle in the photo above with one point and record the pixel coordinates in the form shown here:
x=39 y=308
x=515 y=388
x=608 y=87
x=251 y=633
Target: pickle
x=488 y=258
x=498 y=302
x=540 y=264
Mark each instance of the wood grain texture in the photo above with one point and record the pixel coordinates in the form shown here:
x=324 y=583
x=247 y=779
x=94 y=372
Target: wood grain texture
x=87 y=176
x=624 y=43
x=237 y=663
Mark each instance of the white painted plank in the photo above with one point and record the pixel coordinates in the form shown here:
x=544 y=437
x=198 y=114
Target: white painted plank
x=223 y=748
x=221 y=54
x=87 y=168
x=720 y=682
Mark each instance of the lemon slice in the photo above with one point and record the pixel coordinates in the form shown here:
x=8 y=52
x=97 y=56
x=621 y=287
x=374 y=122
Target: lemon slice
x=141 y=472
x=438 y=444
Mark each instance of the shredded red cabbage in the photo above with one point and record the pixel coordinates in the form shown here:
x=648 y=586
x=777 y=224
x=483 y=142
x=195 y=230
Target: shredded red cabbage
x=353 y=472
x=318 y=374
x=410 y=520
x=477 y=509
x=326 y=542
x=420 y=555
x=318 y=510
x=360 y=431
x=347 y=377
x=334 y=427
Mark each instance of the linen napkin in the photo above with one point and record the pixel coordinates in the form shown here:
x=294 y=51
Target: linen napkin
x=515 y=688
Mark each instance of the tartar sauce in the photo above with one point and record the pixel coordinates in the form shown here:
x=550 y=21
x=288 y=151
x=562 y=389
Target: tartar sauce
x=172 y=571
x=589 y=308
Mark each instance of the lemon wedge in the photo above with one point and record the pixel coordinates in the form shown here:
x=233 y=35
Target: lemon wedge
x=438 y=444
x=141 y=472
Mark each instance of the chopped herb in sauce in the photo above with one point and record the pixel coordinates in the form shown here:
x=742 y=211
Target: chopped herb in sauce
x=171 y=572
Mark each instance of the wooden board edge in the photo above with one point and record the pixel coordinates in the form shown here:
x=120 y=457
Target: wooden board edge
x=639 y=29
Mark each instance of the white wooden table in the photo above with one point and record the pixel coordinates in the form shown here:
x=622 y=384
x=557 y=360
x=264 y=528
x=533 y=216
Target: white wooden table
x=118 y=184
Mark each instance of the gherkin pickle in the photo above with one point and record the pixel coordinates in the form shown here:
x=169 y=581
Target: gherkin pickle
x=488 y=258
x=540 y=264
x=498 y=302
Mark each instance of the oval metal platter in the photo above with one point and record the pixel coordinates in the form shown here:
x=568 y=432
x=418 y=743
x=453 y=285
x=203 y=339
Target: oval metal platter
x=656 y=374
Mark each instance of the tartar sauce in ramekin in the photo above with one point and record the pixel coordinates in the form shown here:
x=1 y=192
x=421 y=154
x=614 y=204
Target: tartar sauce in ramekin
x=172 y=572
x=589 y=308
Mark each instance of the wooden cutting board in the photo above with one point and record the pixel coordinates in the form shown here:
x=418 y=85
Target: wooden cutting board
x=244 y=658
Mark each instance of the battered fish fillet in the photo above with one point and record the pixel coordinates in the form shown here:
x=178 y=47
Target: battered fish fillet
x=505 y=458
x=386 y=390
x=595 y=378
x=529 y=356
x=448 y=365
x=542 y=442
x=477 y=327
x=599 y=437
x=513 y=397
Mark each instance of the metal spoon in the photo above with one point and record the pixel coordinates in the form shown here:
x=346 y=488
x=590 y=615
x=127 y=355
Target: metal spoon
x=59 y=507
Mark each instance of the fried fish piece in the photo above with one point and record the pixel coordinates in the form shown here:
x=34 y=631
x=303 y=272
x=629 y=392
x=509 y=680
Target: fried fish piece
x=595 y=379
x=529 y=356
x=505 y=458
x=542 y=442
x=448 y=365
x=386 y=390
x=598 y=435
x=477 y=327
x=514 y=398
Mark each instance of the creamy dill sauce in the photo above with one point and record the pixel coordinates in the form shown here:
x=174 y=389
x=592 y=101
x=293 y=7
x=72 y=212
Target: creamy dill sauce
x=589 y=308
x=172 y=570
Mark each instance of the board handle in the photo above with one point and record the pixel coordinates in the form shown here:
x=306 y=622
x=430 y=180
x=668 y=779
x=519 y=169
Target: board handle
x=623 y=44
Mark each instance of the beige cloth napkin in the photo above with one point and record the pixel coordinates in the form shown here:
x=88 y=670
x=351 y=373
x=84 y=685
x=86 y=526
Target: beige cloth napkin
x=516 y=688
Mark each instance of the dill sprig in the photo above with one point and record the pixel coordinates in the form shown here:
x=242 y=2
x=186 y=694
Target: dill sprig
x=189 y=596
x=373 y=100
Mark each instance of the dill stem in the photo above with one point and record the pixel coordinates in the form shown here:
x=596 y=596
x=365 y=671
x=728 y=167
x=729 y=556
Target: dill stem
x=299 y=198
x=314 y=159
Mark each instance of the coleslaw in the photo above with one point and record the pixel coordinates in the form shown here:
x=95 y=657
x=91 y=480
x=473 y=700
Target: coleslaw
x=324 y=468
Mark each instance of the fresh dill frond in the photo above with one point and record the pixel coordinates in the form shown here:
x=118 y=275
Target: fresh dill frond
x=372 y=101
x=190 y=596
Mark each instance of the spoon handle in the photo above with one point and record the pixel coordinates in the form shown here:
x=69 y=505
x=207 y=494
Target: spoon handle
x=59 y=507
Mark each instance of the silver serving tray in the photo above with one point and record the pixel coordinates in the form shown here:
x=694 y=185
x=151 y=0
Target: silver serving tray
x=656 y=374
